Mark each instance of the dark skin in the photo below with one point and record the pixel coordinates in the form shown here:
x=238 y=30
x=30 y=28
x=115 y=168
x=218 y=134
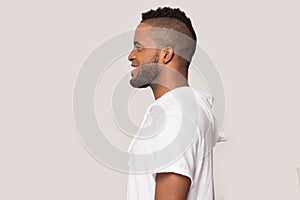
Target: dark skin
x=173 y=74
x=169 y=186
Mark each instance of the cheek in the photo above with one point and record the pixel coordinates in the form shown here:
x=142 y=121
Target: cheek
x=148 y=58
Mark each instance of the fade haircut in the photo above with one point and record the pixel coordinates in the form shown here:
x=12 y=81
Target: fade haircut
x=176 y=20
x=174 y=13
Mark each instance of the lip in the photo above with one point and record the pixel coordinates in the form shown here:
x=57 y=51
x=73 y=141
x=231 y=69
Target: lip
x=132 y=65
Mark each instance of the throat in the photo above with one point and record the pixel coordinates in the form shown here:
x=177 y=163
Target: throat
x=159 y=90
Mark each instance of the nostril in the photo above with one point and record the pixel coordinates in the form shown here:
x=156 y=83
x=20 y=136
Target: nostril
x=131 y=56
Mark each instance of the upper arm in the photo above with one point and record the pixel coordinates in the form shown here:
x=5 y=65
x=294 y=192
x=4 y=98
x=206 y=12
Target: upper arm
x=171 y=186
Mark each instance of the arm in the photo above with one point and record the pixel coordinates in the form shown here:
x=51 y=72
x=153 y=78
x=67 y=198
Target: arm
x=171 y=186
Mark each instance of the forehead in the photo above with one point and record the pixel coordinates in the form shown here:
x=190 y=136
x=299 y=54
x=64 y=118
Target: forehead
x=143 y=34
x=142 y=29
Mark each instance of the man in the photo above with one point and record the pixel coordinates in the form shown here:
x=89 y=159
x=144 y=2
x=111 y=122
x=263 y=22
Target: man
x=178 y=131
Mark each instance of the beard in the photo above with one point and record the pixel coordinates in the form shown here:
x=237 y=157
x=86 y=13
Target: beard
x=146 y=74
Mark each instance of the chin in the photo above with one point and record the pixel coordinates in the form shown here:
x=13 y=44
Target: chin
x=137 y=84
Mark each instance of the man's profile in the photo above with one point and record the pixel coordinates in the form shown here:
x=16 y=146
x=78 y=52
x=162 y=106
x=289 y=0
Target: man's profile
x=164 y=44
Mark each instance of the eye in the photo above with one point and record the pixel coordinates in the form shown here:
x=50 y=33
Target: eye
x=138 y=47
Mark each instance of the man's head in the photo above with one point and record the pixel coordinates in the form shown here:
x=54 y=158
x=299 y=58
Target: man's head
x=165 y=37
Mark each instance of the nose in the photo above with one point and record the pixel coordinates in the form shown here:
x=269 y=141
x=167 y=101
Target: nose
x=131 y=56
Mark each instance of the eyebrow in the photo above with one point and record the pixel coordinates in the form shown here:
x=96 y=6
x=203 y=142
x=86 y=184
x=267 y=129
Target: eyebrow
x=135 y=43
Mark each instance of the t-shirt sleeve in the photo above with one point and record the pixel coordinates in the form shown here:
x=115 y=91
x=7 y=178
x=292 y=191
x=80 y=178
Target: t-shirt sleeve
x=184 y=165
x=180 y=138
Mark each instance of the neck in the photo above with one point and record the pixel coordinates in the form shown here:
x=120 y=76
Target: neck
x=166 y=82
x=159 y=90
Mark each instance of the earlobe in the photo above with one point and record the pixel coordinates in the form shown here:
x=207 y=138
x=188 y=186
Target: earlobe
x=169 y=52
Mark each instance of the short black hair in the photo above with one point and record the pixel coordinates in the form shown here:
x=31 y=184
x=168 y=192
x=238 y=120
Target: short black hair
x=168 y=12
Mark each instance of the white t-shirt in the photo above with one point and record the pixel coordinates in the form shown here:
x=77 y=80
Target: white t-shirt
x=177 y=134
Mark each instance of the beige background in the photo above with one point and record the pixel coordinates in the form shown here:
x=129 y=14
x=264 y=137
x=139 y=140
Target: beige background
x=255 y=45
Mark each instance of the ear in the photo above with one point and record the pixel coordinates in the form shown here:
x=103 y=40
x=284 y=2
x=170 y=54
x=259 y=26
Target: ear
x=168 y=54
